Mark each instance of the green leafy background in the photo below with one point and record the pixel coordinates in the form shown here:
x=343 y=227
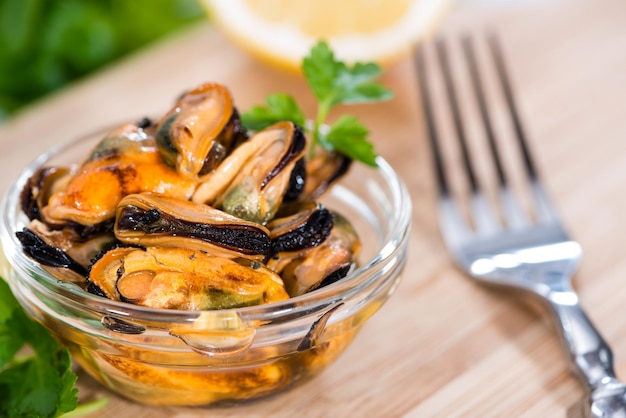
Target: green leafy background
x=45 y=44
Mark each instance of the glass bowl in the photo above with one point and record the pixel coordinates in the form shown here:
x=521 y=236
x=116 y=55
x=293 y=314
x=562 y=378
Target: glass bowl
x=170 y=357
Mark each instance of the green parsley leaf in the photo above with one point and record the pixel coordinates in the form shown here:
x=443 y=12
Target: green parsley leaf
x=279 y=107
x=333 y=83
x=349 y=136
x=7 y=301
x=10 y=342
x=35 y=385
x=68 y=401
x=9 y=346
x=320 y=70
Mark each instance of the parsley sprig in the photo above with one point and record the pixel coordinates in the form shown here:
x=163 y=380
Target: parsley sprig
x=333 y=83
x=40 y=384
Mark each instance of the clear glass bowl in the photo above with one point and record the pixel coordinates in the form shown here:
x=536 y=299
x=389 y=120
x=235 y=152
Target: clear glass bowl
x=168 y=357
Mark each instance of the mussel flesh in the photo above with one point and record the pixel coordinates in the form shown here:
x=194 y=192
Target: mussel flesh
x=180 y=278
x=152 y=220
x=299 y=227
x=81 y=248
x=40 y=186
x=200 y=130
x=52 y=258
x=192 y=213
x=253 y=180
x=322 y=171
x=126 y=161
x=320 y=265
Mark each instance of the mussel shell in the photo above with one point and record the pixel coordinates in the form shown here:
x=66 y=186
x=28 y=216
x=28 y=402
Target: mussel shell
x=180 y=278
x=152 y=220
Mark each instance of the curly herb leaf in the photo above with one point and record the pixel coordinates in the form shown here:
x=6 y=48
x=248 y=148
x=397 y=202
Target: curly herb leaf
x=279 y=107
x=39 y=384
x=349 y=137
x=333 y=83
x=9 y=344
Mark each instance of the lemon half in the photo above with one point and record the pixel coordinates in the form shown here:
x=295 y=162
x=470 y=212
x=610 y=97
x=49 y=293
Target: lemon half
x=281 y=32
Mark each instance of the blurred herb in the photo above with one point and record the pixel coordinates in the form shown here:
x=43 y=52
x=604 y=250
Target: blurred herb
x=87 y=408
x=333 y=83
x=44 y=44
x=40 y=384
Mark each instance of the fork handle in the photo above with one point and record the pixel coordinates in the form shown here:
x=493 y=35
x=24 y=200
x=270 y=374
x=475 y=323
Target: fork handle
x=590 y=356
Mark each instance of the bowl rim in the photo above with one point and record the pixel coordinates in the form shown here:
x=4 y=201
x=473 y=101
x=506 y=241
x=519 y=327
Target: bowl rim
x=351 y=285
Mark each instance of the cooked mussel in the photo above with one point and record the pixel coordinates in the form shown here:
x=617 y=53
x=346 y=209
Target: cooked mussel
x=297 y=181
x=180 y=278
x=78 y=244
x=152 y=220
x=322 y=171
x=65 y=252
x=300 y=226
x=320 y=265
x=126 y=161
x=200 y=215
x=51 y=256
x=252 y=181
x=200 y=130
x=40 y=186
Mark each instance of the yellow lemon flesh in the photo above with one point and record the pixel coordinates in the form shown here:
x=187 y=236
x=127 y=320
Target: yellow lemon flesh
x=281 y=32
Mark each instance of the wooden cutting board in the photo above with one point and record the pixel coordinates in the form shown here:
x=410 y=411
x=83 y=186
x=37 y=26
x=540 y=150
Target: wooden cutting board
x=442 y=346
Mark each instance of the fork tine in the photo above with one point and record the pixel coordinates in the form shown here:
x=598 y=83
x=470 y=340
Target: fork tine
x=477 y=85
x=511 y=209
x=543 y=207
x=505 y=83
x=454 y=227
x=456 y=114
x=484 y=220
x=433 y=136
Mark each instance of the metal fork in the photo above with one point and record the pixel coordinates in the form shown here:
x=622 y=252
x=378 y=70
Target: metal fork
x=529 y=253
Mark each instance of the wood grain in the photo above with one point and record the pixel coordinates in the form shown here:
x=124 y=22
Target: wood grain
x=442 y=346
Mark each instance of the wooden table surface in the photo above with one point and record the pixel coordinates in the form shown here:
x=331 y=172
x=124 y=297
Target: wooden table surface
x=442 y=346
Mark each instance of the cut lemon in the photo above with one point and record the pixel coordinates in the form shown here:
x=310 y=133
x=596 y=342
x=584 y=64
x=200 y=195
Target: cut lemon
x=283 y=31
